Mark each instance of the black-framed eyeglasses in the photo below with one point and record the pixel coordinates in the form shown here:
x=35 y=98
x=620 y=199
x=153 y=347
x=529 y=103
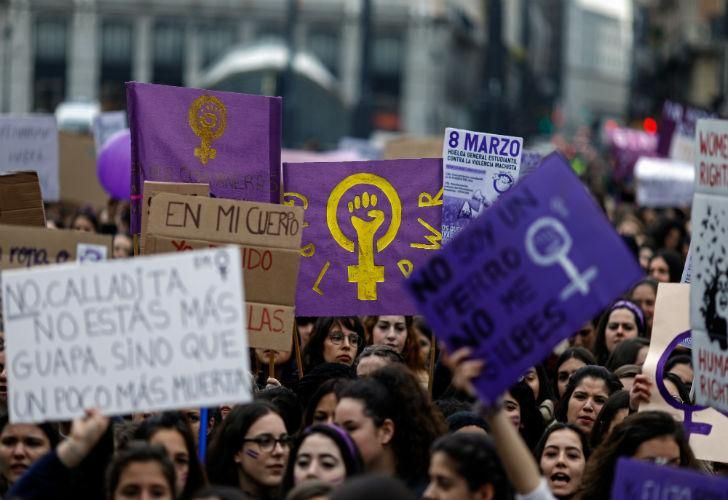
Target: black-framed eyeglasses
x=337 y=338
x=267 y=443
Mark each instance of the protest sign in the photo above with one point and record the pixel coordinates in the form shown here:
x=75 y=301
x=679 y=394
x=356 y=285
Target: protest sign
x=107 y=124
x=640 y=479
x=79 y=182
x=401 y=148
x=688 y=267
x=525 y=275
x=529 y=161
x=676 y=133
x=478 y=168
x=22 y=246
x=709 y=279
x=130 y=335
x=627 y=146
x=367 y=226
x=705 y=427
x=227 y=140
x=31 y=143
x=152 y=188
x=269 y=237
x=664 y=183
x=21 y=202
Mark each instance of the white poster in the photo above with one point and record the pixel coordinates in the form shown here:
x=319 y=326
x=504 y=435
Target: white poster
x=709 y=274
x=132 y=335
x=107 y=124
x=31 y=143
x=664 y=183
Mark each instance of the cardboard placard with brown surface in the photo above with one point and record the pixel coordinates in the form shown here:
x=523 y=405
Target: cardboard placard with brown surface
x=21 y=202
x=270 y=239
x=706 y=428
x=22 y=246
x=152 y=187
x=413 y=147
x=79 y=182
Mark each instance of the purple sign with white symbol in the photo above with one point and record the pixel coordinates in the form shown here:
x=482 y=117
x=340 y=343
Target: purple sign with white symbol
x=637 y=479
x=541 y=261
x=367 y=226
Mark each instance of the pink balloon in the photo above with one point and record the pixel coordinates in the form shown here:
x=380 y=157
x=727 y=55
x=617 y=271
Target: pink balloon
x=113 y=165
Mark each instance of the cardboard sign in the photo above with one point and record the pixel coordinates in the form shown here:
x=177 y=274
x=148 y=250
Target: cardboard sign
x=131 y=335
x=269 y=237
x=227 y=140
x=34 y=246
x=107 y=124
x=709 y=280
x=20 y=200
x=151 y=188
x=401 y=148
x=706 y=428
x=538 y=264
x=478 y=168
x=31 y=143
x=639 y=479
x=664 y=183
x=627 y=147
x=368 y=226
x=79 y=182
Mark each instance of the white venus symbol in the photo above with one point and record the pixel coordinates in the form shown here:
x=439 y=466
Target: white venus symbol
x=547 y=243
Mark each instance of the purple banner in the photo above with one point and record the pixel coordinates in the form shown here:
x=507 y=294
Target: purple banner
x=368 y=225
x=230 y=141
x=541 y=261
x=677 y=119
x=636 y=479
x=627 y=146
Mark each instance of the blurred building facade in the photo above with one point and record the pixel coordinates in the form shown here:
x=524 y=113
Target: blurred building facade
x=421 y=65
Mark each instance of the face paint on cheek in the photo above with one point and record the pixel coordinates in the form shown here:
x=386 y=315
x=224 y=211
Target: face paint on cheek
x=252 y=454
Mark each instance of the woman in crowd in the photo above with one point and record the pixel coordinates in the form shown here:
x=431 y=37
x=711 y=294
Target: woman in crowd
x=84 y=220
x=392 y=422
x=323 y=452
x=520 y=406
x=651 y=435
x=538 y=381
x=141 y=471
x=250 y=450
x=171 y=431
x=374 y=357
x=570 y=360
x=623 y=321
x=614 y=411
x=425 y=339
x=628 y=352
x=322 y=405
x=466 y=466
x=626 y=375
x=666 y=266
x=397 y=332
x=334 y=340
x=675 y=388
x=585 y=395
x=285 y=371
x=21 y=445
x=682 y=366
x=562 y=453
x=585 y=336
x=644 y=294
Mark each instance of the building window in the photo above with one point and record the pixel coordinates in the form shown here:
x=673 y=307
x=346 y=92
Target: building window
x=116 y=66
x=324 y=43
x=168 y=52
x=215 y=41
x=51 y=41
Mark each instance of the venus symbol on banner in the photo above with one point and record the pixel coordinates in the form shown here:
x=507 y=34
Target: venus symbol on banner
x=366 y=219
x=547 y=243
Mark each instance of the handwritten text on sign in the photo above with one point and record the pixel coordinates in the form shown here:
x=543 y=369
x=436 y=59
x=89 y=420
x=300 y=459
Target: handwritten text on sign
x=146 y=334
x=525 y=275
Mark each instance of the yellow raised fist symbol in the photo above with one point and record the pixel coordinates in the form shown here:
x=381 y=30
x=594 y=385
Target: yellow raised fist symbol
x=366 y=218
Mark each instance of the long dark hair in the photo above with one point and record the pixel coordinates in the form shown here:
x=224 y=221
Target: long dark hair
x=579 y=353
x=558 y=426
x=600 y=344
x=411 y=349
x=313 y=353
x=476 y=460
x=626 y=353
x=611 y=382
x=393 y=392
x=140 y=452
x=532 y=423
x=334 y=385
x=173 y=420
x=617 y=401
x=623 y=442
x=228 y=439
x=347 y=448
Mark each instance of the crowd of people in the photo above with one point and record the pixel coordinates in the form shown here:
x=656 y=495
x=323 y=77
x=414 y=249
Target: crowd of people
x=378 y=407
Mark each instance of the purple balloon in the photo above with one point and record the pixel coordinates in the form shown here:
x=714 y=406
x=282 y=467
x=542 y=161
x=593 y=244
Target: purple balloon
x=113 y=165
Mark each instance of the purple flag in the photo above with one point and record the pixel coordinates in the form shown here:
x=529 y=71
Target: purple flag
x=677 y=120
x=368 y=224
x=640 y=479
x=541 y=261
x=230 y=141
x=627 y=146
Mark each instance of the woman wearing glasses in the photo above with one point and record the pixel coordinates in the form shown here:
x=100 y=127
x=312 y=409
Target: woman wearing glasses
x=250 y=450
x=334 y=340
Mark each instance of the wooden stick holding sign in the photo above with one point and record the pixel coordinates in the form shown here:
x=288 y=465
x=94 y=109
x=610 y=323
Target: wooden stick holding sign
x=297 y=349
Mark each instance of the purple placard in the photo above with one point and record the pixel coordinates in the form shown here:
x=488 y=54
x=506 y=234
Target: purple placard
x=541 y=261
x=230 y=141
x=627 y=146
x=529 y=161
x=636 y=479
x=368 y=224
x=677 y=119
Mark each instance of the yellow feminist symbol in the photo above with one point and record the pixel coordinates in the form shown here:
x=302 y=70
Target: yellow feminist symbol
x=366 y=219
x=207 y=120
